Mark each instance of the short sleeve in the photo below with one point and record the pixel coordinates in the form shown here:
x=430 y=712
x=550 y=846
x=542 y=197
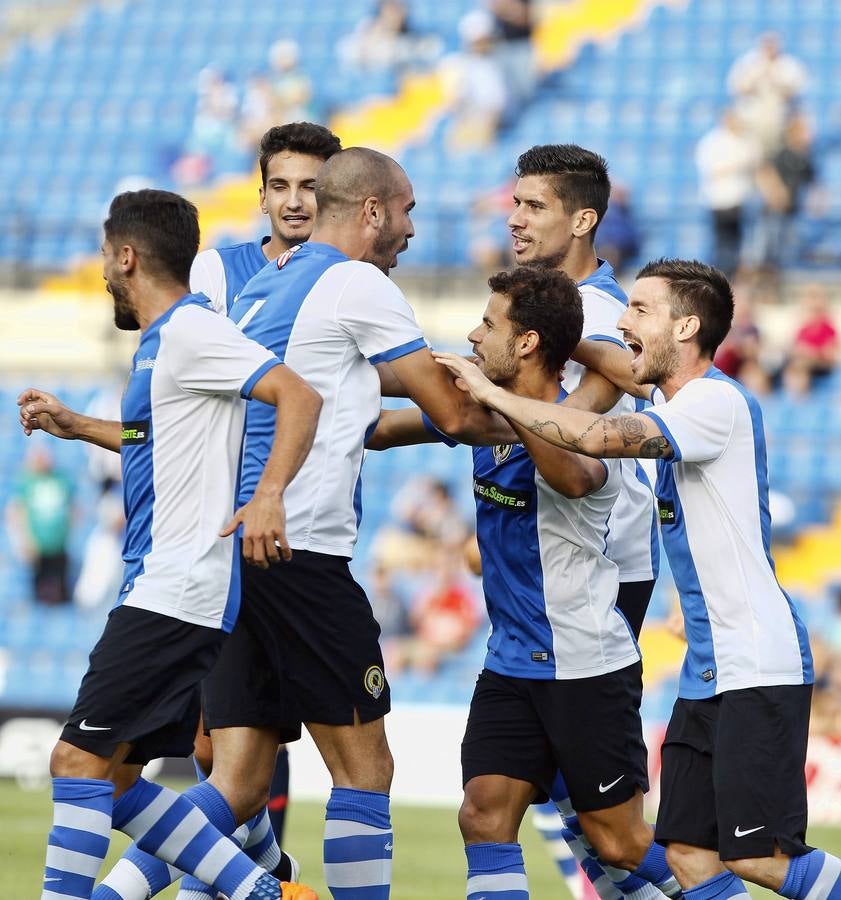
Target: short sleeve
x=373 y=310
x=698 y=420
x=601 y=313
x=207 y=276
x=208 y=354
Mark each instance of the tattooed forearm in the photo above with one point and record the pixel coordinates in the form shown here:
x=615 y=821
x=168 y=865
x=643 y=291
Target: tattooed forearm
x=630 y=428
x=655 y=448
x=549 y=426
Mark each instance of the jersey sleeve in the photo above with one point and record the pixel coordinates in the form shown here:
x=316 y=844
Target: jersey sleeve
x=601 y=313
x=373 y=310
x=698 y=420
x=210 y=355
x=207 y=276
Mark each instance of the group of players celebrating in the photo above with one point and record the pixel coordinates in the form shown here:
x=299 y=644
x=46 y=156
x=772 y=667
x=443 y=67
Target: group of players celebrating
x=237 y=586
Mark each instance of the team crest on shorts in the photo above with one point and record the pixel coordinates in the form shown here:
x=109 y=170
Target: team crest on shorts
x=374 y=681
x=502 y=452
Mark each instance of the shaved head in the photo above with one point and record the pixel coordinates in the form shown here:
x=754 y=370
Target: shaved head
x=351 y=176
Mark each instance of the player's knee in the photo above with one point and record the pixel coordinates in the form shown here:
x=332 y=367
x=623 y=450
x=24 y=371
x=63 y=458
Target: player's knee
x=612 y=849
x=245 y=796
x=746 y=869
x=684 y=862
x=203 y=753
x=67 y=761
x=483 y=823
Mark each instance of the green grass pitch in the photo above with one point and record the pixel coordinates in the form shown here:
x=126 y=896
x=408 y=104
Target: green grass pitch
x=428 y=854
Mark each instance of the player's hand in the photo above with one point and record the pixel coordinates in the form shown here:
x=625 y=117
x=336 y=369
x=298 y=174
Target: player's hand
x=40 y=411
x=263 y=521
x=468 y=376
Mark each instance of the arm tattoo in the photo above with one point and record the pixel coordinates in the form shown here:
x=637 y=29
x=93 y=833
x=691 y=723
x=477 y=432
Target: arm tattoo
x=540 y=427
x=655 y=448
x=630 y=429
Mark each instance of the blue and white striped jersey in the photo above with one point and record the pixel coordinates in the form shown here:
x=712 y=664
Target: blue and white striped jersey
x=221 y=273
x=549 y=587
x=741 y=627
x=632 y=540
x=331 y=319
x=182 y=434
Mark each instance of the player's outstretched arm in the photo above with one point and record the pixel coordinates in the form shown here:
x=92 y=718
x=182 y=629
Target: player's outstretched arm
x=42 y=411
x=594 y=393
x=613 y=363
x=264 y=518
x=451 y=410
x=572 y=429
x=400 y=428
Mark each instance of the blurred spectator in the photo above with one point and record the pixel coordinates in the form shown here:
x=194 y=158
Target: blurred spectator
x=385 y=41
x=38 y=517
x=765 y=83
x=814 y=353
x=391 y=612
x=105 y=466
x=618 y=237
x=513 y=25
x=213 y=137
x=739 y=353
x=489 y=244
x=478 y=90
x=101 y=573
x=727 y=159
x=782 y=180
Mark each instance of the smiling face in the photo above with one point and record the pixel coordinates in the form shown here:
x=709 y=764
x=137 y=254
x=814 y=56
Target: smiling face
x=494 y=342
x=541 y=229
x=650 y=331
x=288 y=197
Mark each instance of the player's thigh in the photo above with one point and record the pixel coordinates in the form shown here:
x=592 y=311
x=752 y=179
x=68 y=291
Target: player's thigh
x=595 y=731
x=356 y=755
x=493 y=808
x=687 y=810
x=759 y=764
x=504 y=734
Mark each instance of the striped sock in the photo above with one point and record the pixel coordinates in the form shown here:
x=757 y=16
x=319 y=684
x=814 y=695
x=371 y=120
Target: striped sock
x=135 y=876
x=718 y=888
x=609 y=882
x=496 y=872
x=358 y=844
x=79 y=838
x=813 y=876
x=548 y=822
x=655 y=870
x=172 y=827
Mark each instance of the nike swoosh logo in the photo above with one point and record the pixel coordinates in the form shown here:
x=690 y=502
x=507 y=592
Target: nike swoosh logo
x=85 y=727
x=48 y=880
x=607 y=787
x=389 y=846
x=739 y=833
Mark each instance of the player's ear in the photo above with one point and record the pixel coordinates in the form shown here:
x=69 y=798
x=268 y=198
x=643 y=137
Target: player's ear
x=127 y=258
x=373 y=211
x=262 y=193
x=584 y=222
x=529 y=341
x=688 y=328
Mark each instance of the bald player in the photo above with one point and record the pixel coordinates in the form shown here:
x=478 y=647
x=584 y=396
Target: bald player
x=305 y=649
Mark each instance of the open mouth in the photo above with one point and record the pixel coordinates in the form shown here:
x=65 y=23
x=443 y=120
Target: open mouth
x=634 y=346
x=519 y=242
x=296 y=220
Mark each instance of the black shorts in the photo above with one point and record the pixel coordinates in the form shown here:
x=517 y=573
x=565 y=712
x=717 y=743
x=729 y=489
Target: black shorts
x=632 y=601
x=588 y=728
x=305 y=649
x=733 y=776
x=143 y=686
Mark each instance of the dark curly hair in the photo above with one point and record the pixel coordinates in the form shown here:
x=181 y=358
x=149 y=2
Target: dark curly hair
x=545 y=301
x=696 y=289
x=297 y=137
x=579 y=176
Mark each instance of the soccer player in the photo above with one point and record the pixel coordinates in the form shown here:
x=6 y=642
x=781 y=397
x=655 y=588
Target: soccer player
x=562 y=684
x=733 y=789
x=560 y=198
x=290 y=157
x=181 y=430
x=306 y=646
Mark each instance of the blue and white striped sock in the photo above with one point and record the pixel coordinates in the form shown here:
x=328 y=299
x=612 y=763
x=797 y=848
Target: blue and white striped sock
x=496 y=872
x=548 y=822
x=358 y=844
x=79 y=838
x=135 y=876
x=655 y=870
x=175 y=829
x=813 y=876
x=719 y=887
